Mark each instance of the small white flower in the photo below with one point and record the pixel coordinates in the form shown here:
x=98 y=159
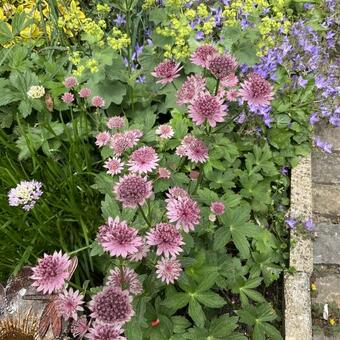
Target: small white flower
x=36 y=91
x=325 y=313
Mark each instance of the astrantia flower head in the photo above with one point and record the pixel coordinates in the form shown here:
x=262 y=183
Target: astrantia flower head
x=143 y=160
x=36 y=91
x=68 y=304
x=206 y=107
x=67 y=97
x=105 y=332
x=203 y=54
x=121 y=142
x=51 y=272
x=166 y=71
x=114 y=166
x=79 y=327
x=175 y=193
x=117 y=238
x=115 y=122
x=193 y=148
x=256 y=90
x=143 y=251
x=167 y=239
x=70 y=82
x=168 y=270
x=133 y=190
x=165 y=131
x=184 y=212
x=217 y=208
x=163 y=173
x=191 y=88
x=222 y=66
x=229 y=81
x=98 y=101
x=25 y=194
x=125 y=279
x=112 y=306
x=232 y=95
x=103 y=138
x=85 y=92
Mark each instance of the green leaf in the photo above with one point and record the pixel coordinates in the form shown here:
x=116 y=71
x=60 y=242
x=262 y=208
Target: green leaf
x=221 y=238
x=5 y=32
x=180 y=324
x=177 y=300
x=210 y=299
x=196 y=313
x=241 y=243
x=207 y=282
x=110 y=208
x=223 y=326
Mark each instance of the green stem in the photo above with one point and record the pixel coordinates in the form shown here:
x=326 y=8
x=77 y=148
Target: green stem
x=217 y=86
x=173 y=84
x=79 y=250
x=144 y=216
x=199 y=181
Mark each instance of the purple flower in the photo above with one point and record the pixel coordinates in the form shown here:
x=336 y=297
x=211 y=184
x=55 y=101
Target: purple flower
x=309 y=225
x=199 y=35
x=324 y=146
x=291 y=223
x=308 y=6
x=284 y=170
x=141 y=79
x=313 y=118
x=334 y=120
x=120 y=19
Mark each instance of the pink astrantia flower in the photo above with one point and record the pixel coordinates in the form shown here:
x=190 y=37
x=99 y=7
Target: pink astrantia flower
x=203 y=54
x=168 y=270
x=206 y=107
x=143 y=160
x=103 y=138
x=194 y=149
x=191 y=88
x=217 y=208
x=69 y=303
x=115 y=122
x=256 y=90
x=229 y=81
x=70 y=82
x=167 y=239
x=175 y=193
x=163 y=173
x=85 y=92
x=184 y=211
x=51 y=272
x=114 y=166
x=222 y=66
x=132 y=190
x=166 y=71
x=117 y=238
x=143 y=251
x=121 y=142
x=67 y=97
x=112 y=306
x=98 y=101
x=105 y=332
x=165 y=131
x=194 y=174
x=232 y=95
x=79 y=327
x=25 y=194
x=125 y=279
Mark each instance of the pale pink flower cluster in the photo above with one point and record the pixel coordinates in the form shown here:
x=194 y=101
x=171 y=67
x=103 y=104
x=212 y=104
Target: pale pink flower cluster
x=166 y=71
x=122 y=141
x=115 y=122
x=194 y=149
x=165 y=131
x=143 y=160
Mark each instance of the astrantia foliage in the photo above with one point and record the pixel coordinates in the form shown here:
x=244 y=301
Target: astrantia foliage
x=154 y=141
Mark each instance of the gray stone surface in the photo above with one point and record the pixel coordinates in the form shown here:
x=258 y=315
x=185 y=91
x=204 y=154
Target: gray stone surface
x=298 y=320
x=301 y=252
x=324 y=337
x=327 y=244
x=328 y=286
x=326 y=199
x=326 y=168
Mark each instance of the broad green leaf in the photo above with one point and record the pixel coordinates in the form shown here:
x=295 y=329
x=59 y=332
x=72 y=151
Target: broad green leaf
x=210 y=299
x=196 y=313
x=177 y=300
x=221 y=238
x=241 y=242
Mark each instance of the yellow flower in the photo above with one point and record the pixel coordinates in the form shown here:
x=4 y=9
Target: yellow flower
x=103 y=8
x=202 y=10
x=31 y=32
x=313 y=287
x=332 y=322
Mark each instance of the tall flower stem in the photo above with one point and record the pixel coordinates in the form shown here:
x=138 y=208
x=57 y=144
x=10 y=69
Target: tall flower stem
x=217 y=86
x=199 y=181
x=144 y=216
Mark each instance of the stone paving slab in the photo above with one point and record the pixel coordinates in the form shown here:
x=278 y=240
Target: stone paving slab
x=328 y=285
x=298 y=322
x=327 y=244
x=324 y=337
x=326 y=199
x=326 y=168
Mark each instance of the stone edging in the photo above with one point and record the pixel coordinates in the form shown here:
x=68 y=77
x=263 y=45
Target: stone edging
x=297 y=300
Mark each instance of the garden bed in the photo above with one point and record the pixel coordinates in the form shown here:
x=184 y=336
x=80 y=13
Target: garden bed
x=151 y=179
